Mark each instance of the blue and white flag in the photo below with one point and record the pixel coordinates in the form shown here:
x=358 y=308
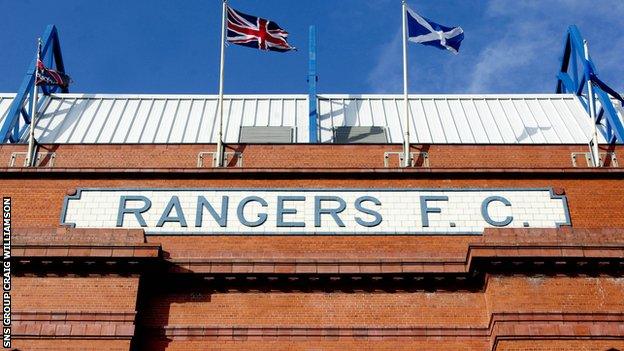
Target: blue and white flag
x=426 y=32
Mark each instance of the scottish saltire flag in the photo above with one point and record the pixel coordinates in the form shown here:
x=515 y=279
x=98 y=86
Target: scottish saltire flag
x=427 y=32
x=50 y=77
x=255 y=32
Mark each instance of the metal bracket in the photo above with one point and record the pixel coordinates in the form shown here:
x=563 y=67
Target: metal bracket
x=41 y=156
x=607 y=159
x=421 y=161
x=228 y=157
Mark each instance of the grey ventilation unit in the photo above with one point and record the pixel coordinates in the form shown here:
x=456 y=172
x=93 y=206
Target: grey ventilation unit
x=266 y=135
x=360 y=135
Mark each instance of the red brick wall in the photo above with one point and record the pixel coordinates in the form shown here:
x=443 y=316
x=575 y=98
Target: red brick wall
x=72 y=345
x=305 y=156
x=506 y=313
x=94 y=294
x=541 y=294
x=319 y=344
x=561 y=345
x=319 y=310
x=509 y=308
x=71 y=313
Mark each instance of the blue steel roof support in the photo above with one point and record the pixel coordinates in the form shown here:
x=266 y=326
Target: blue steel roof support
x=573 y=59
x=50 y=50
x=312 y=79
x=575 y=74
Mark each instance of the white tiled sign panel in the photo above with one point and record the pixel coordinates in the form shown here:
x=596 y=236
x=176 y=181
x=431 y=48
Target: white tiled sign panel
x=315 y=211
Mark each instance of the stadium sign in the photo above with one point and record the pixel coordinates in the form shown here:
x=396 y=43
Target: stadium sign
x=314 y=211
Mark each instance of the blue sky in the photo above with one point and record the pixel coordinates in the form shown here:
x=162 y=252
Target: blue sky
x=165 y=46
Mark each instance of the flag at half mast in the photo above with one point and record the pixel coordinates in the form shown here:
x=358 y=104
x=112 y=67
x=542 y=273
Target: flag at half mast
x=256 y=32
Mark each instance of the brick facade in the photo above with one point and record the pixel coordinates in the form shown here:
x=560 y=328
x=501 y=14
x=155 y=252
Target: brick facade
x=508 y=289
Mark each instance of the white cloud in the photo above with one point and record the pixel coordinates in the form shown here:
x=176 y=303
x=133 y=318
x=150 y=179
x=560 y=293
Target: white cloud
x=510 y=46
x=387 y=75
x=526 y=54
x=518 y=49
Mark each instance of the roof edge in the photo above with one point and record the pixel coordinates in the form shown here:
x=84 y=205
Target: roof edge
x=304 y=96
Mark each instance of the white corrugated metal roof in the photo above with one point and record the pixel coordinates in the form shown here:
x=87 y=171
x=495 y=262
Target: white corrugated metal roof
x=464 y=119
x=461 y=119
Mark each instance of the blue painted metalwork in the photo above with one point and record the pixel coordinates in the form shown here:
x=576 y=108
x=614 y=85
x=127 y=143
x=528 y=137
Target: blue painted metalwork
x=312 y=79
x=582 y=70
x=51 y=50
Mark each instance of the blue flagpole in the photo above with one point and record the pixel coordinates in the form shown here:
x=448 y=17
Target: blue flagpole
x=312 y=78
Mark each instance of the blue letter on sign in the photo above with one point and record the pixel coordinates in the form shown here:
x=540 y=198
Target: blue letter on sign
x=203 y=203
x=166 y=215
x=424 y=210
x=486 y=215
x=122 y=210
x=281 y=211
x=262 y=217
x=318 y=210
x=359 y=207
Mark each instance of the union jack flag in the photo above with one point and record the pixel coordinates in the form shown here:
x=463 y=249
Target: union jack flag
x=255 y=32
x=50 y=77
